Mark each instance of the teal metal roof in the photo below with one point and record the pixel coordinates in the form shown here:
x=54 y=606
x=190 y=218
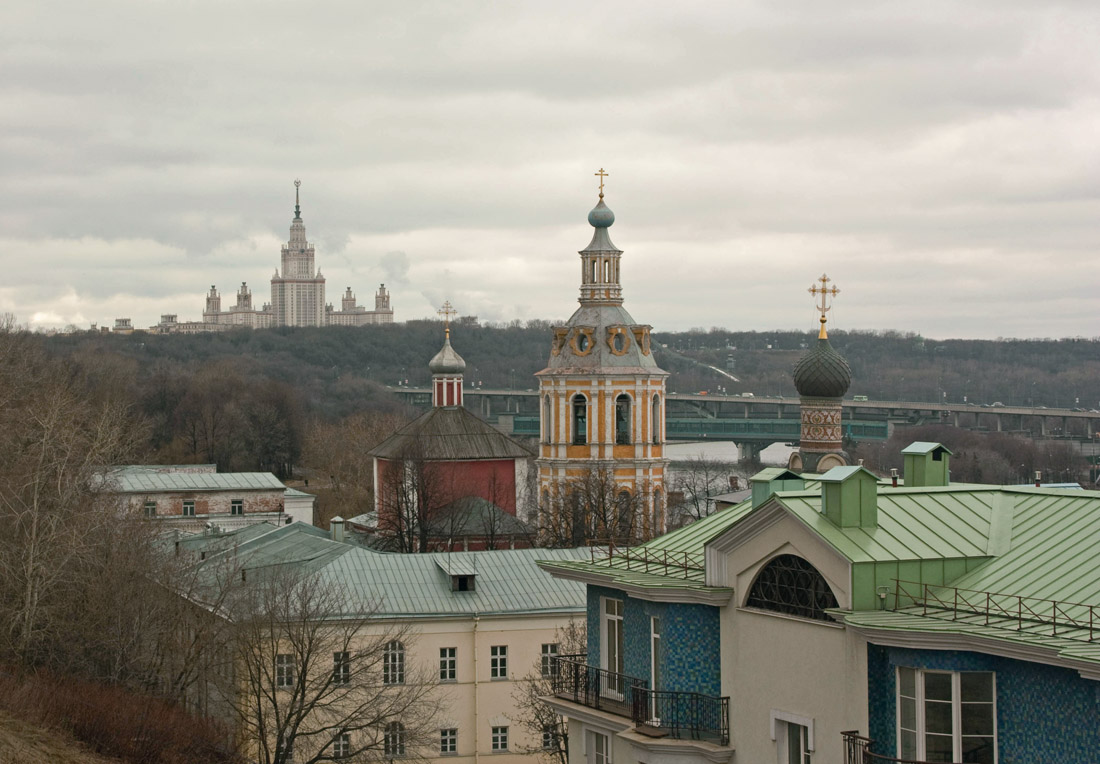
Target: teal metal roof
x=157 y=482
x=406 y=585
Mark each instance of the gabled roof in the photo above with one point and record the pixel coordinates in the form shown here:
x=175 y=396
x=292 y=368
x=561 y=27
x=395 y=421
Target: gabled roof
x=840 y=474
x=449 y=434
x=924 y=447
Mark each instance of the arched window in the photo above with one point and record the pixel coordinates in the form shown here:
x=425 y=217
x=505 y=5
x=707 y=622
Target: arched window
x=655 y=419
x=394 y=741
x=788 y=584
x=580 y=420
x=607 y=271
x=595 y=265
x=547 y=422
x=622 y=420
x=393 y=663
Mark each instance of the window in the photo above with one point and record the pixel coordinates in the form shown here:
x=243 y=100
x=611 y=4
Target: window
x=150 y=509
x=580 y=420
x=447 y=664
x=284 y=670
x=622 y=420
x=341 y=746
x=549 y=736
x=236 y=507
x=947 y=715
x=612 y=644
x=188 y=509
x=599 y=749
x=547 y=422
x=498 y=662
x=500 y=738
x=655 y=420
x=788 y=584
x=549 y=665
x=792 y=742
x=393 y=663
x=341 y=668
x=448 y=741
x=393 y=743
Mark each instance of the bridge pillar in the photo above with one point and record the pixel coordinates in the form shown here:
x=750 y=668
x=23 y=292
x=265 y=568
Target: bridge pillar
x=955 y=418
x=997 y=418
x=749 y=453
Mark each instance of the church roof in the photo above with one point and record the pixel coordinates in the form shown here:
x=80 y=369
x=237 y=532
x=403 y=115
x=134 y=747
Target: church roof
x=601 y=323
x=822 y=372
x=449 y=434
x=447 y=360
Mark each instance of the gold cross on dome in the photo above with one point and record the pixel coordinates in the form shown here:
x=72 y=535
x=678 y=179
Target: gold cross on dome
x=825 y=290
x=447 y=312
x=601 y=175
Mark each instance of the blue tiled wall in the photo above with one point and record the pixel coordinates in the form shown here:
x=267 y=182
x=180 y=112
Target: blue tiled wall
x=689 y=641
x=1044 y=713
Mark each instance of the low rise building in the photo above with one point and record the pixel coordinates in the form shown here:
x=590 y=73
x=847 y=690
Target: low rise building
x=842 y=618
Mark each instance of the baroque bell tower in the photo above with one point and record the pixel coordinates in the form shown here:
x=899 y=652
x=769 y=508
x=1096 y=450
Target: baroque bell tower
x=601 y=465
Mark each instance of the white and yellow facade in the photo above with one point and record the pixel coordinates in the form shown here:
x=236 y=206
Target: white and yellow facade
x=602 y=396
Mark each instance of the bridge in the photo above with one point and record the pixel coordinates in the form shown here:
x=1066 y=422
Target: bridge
x=755 y=423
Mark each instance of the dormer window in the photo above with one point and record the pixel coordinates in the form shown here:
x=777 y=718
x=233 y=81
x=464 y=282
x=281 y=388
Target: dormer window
x=462 y=583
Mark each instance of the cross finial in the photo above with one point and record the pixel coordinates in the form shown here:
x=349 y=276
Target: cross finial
x=447 y=312
x=601 y=175
x=824 y=290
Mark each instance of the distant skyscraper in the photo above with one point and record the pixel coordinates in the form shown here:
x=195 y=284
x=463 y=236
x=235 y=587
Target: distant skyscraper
x=298 y=295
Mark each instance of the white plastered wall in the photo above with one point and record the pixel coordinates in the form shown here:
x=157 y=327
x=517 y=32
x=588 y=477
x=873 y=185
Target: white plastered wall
x=776 y=666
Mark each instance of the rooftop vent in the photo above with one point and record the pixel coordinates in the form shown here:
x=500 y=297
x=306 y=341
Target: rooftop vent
x=926 y=464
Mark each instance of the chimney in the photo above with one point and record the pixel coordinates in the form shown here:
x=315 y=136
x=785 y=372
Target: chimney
x=336 y=528
x=1038 y=478
x=735 y=483
x=894 y=476
x=849 y=497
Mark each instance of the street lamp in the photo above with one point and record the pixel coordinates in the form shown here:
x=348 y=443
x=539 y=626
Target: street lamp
x=512 y=379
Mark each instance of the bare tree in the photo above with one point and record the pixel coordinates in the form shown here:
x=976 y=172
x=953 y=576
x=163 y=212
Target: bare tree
x=698 y=479
x=544 y=723
x=412 y=498
x=316 y=685
x=596 y=507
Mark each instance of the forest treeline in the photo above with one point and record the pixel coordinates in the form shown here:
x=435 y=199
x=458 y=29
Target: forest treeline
x=247 y=400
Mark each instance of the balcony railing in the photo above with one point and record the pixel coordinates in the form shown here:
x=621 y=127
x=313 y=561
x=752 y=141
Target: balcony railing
x=682 y=715
x=857 y=750
x=594 y=687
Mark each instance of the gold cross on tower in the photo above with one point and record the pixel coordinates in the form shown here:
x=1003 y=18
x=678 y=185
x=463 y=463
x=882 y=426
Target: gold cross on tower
x=447 y=312
x=825 y=290
x=601 y=175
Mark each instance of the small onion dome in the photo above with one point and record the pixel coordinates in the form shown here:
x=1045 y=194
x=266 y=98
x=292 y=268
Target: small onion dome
x=822 y=372
x=447 y=361
x=601 y=215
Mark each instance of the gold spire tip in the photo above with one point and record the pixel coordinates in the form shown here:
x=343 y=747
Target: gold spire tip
x=825 y=291
x=447 y=311
x=601 y=175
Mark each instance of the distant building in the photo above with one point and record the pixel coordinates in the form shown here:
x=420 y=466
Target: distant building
x=297 y=296
x=192 y=497
x=123 y=326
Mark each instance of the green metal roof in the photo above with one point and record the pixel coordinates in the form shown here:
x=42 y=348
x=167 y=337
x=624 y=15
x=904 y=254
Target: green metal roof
x=840 y=474
x=913 y=524
x=924 y=447
x=405 y=585
x=157 y=482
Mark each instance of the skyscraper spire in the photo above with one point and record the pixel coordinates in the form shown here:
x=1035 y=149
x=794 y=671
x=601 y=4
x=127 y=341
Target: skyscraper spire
x=297 y=207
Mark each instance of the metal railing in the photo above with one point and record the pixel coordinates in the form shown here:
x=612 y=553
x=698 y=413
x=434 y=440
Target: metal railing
x=1075 y=620
x=687 y=565
x=682 y=715
x=593 y=687
x=857 y=750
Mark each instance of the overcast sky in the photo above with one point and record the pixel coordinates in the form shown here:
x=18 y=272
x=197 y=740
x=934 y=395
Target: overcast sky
x=941 y=161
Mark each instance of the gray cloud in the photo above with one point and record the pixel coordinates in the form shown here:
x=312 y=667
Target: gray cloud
x=941 y=160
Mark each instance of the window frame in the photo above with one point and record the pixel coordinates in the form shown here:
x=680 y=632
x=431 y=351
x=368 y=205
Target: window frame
x=919 y=701
x=341 y=746
x=448 y=664
x=498 y=662
x=236 y=507
x=285 y=671
x=341 y=668
x=499 y=739
x=624 y=420
x=547 y=664
x=150 y=509
x=393 y=740
x=393 y=663
x=188 y=508
x=579 y=420
x=448 y=741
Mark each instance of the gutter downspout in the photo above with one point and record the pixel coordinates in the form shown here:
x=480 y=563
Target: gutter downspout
x=477 y=722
